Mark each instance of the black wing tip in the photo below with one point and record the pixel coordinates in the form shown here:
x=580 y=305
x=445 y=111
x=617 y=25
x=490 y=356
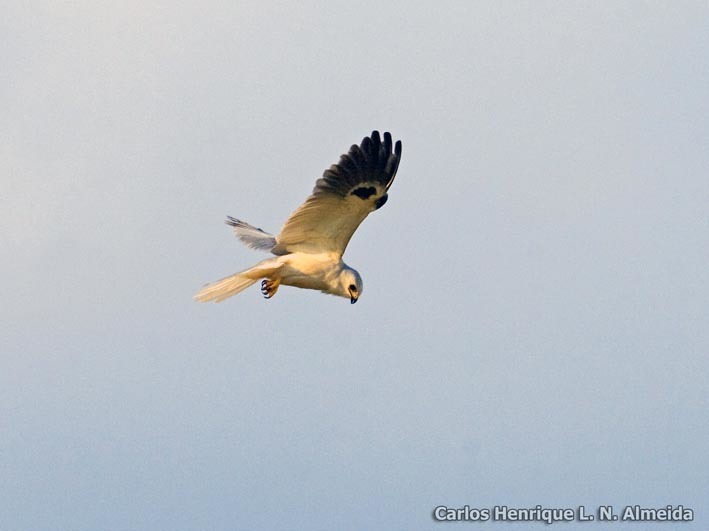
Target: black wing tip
x=375 y=159
x=381 y=154
x=375 y=139
x=388 y=158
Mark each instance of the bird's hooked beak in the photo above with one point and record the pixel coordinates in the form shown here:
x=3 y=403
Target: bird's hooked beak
x=353 y=299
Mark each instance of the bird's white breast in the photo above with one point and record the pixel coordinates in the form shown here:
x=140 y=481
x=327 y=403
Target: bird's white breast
x=311 y=271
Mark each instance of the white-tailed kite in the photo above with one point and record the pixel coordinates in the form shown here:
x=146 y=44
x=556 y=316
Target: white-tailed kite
x=310 y=246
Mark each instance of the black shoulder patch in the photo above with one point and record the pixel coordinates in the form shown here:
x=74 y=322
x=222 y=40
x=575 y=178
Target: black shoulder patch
x=364 y=193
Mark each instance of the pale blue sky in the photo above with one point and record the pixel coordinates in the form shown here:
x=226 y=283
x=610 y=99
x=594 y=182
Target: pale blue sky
x=534 y=326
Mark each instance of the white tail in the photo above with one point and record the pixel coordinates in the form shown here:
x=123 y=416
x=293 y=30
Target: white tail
x=238 y=282
x=224 y=288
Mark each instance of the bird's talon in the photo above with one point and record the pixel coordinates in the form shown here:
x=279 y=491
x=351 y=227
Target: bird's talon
x=268 y=288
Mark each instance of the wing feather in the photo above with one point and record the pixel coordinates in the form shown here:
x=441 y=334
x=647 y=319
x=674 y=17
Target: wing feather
x=346 y=193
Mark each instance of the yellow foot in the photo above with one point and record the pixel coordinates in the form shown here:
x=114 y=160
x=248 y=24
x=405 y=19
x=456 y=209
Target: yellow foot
x=269 y=288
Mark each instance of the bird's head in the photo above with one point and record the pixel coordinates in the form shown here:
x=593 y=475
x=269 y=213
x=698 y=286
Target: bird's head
x=350 y=284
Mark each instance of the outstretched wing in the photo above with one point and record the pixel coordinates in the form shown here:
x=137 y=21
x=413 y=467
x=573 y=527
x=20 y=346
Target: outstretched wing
x=342 y=198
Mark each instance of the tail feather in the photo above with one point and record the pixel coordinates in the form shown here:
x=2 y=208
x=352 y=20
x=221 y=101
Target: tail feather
x=251 y=236
x=238 y=282
x=224 y=288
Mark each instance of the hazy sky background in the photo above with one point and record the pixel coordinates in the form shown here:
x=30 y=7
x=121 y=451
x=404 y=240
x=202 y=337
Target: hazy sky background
x=535 y=322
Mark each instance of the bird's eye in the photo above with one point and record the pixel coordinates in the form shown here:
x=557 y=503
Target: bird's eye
x=353 y=287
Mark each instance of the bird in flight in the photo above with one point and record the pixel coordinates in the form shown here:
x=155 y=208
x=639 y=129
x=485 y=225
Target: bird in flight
x=308 y=251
